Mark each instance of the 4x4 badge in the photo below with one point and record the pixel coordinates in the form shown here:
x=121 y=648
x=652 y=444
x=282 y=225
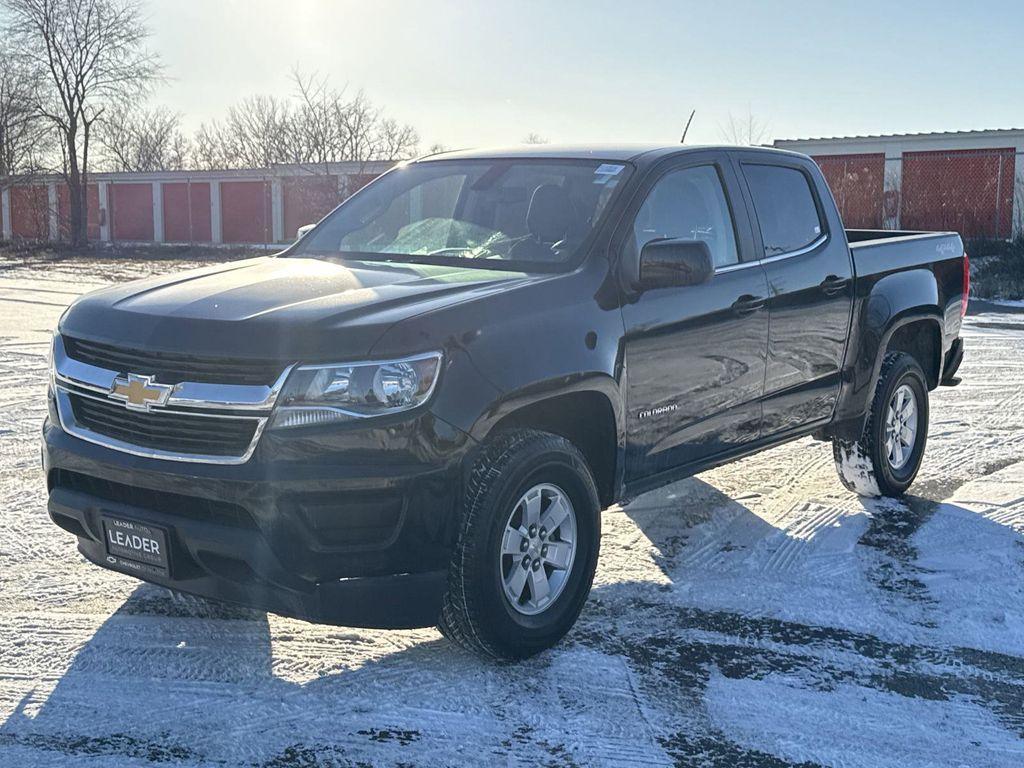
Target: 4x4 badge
x=139 y=393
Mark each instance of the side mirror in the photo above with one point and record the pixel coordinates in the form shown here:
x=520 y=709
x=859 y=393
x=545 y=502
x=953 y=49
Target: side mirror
x=303 y=231
x=668 y=263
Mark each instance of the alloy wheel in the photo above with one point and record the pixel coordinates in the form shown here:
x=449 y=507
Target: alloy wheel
x=538 y=548
x=901 y=427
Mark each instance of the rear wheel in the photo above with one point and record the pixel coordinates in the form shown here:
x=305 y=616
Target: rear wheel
x=885 y=459
x=527 y=550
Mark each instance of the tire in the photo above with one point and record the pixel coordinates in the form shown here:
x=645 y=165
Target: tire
x=478 y=614
x=870 y=466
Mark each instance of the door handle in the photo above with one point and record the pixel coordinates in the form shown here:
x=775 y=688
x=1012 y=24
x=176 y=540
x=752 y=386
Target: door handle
x=746 y=304
x=834 y=284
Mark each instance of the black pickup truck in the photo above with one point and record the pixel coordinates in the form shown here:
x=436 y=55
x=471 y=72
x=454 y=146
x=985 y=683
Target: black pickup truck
x=415 y=414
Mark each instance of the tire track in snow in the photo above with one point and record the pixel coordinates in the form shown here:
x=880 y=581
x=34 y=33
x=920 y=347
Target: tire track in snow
x=807 y=519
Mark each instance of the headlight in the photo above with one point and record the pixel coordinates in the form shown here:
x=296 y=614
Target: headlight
x=51 y=362
x=318 y=394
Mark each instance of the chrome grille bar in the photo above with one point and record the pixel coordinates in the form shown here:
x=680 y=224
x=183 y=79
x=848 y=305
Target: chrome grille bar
x=233 y=405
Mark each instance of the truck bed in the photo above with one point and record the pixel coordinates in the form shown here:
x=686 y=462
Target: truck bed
x=858 y=236
x=880 y=251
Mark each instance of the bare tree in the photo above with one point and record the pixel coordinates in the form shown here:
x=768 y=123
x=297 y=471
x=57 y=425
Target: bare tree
x=745 y=131
x=332 y=127
x=319 y=125
x=209 y=149
x=139 y=141
x=256 y=133
x=91 y=53
x=23 y=137
x=316 y=125
x=534 y=138
x=393 y=141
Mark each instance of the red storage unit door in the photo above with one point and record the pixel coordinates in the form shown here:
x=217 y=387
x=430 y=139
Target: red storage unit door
x=92 y=215
x=357 y=181
x=857 y=183
x=969 y=191
x=307 y=200
x=245 y=211
x=131 y=211
x=30 y=212
x=187 y=212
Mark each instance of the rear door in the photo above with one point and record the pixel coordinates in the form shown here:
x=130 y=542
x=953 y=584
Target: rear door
x=810 y=277
x=694 y=355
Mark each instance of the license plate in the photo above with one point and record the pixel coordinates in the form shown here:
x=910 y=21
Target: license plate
x=136 y=546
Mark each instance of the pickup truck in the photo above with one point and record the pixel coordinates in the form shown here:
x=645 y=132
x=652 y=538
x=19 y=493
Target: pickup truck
x=415 y=414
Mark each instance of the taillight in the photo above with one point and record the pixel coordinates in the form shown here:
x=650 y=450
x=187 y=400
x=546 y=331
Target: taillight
x=967 y=284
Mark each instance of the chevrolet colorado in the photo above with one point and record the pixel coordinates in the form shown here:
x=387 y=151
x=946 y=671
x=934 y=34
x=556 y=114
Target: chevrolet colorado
x=415 y=414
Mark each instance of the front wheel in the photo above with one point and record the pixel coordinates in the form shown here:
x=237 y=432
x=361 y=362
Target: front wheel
x=885 y=459
x=527 y=549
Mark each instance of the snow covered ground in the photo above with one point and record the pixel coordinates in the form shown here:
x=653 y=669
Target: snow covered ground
x=754 y=616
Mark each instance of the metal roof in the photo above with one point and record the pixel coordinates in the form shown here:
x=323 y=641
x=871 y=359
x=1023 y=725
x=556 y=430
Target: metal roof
x=985 y=132
x=275 y=170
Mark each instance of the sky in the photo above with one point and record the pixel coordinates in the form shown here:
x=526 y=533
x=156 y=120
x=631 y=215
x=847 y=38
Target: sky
x=481 y=72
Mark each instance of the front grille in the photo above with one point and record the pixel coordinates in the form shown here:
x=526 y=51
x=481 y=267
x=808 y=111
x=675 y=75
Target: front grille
x=166 y=431
x=180 y=505
x=173 y=368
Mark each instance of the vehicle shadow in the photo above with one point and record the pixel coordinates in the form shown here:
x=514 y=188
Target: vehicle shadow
x=668 y=516
x=120 y=695
x=172 y=681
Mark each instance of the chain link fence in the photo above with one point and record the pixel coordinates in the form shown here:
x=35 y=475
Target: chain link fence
x=857 y=184
x=970 y=191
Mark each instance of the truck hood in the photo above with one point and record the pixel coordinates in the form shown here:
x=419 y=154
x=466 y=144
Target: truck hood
x=287 y=308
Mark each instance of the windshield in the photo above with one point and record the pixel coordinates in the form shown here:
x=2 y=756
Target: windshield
x=497 y=214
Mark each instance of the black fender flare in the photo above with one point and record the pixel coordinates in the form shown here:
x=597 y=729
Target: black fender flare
x=895 y=301
x=600 y=384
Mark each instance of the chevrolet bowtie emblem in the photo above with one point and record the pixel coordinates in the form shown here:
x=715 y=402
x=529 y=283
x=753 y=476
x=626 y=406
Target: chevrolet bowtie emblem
x=139 y=393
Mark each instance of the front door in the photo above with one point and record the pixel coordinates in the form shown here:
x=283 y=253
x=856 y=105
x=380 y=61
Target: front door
x=695 y=355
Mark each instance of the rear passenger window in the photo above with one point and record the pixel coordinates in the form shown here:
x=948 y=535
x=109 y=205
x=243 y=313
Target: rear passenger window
x=689 y=204
x=786 y=212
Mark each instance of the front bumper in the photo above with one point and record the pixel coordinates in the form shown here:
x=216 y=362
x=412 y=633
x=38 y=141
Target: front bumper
x=342 y=526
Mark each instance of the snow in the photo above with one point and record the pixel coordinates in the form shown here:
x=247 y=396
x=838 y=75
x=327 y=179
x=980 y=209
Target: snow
x=855 y=467
x=756 y=615
x=843 y=725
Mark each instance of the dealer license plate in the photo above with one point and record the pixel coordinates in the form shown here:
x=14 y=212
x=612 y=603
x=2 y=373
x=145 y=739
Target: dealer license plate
x=136 y=546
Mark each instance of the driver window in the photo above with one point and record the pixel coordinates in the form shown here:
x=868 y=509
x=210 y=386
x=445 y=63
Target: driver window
x=689 y=204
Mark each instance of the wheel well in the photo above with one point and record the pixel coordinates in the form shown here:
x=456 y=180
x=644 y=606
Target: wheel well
x=585 y=419
x=920 y=339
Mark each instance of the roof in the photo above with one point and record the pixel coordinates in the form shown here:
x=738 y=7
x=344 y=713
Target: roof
x=560 y=151
x=614 y=152
x=983 y=133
